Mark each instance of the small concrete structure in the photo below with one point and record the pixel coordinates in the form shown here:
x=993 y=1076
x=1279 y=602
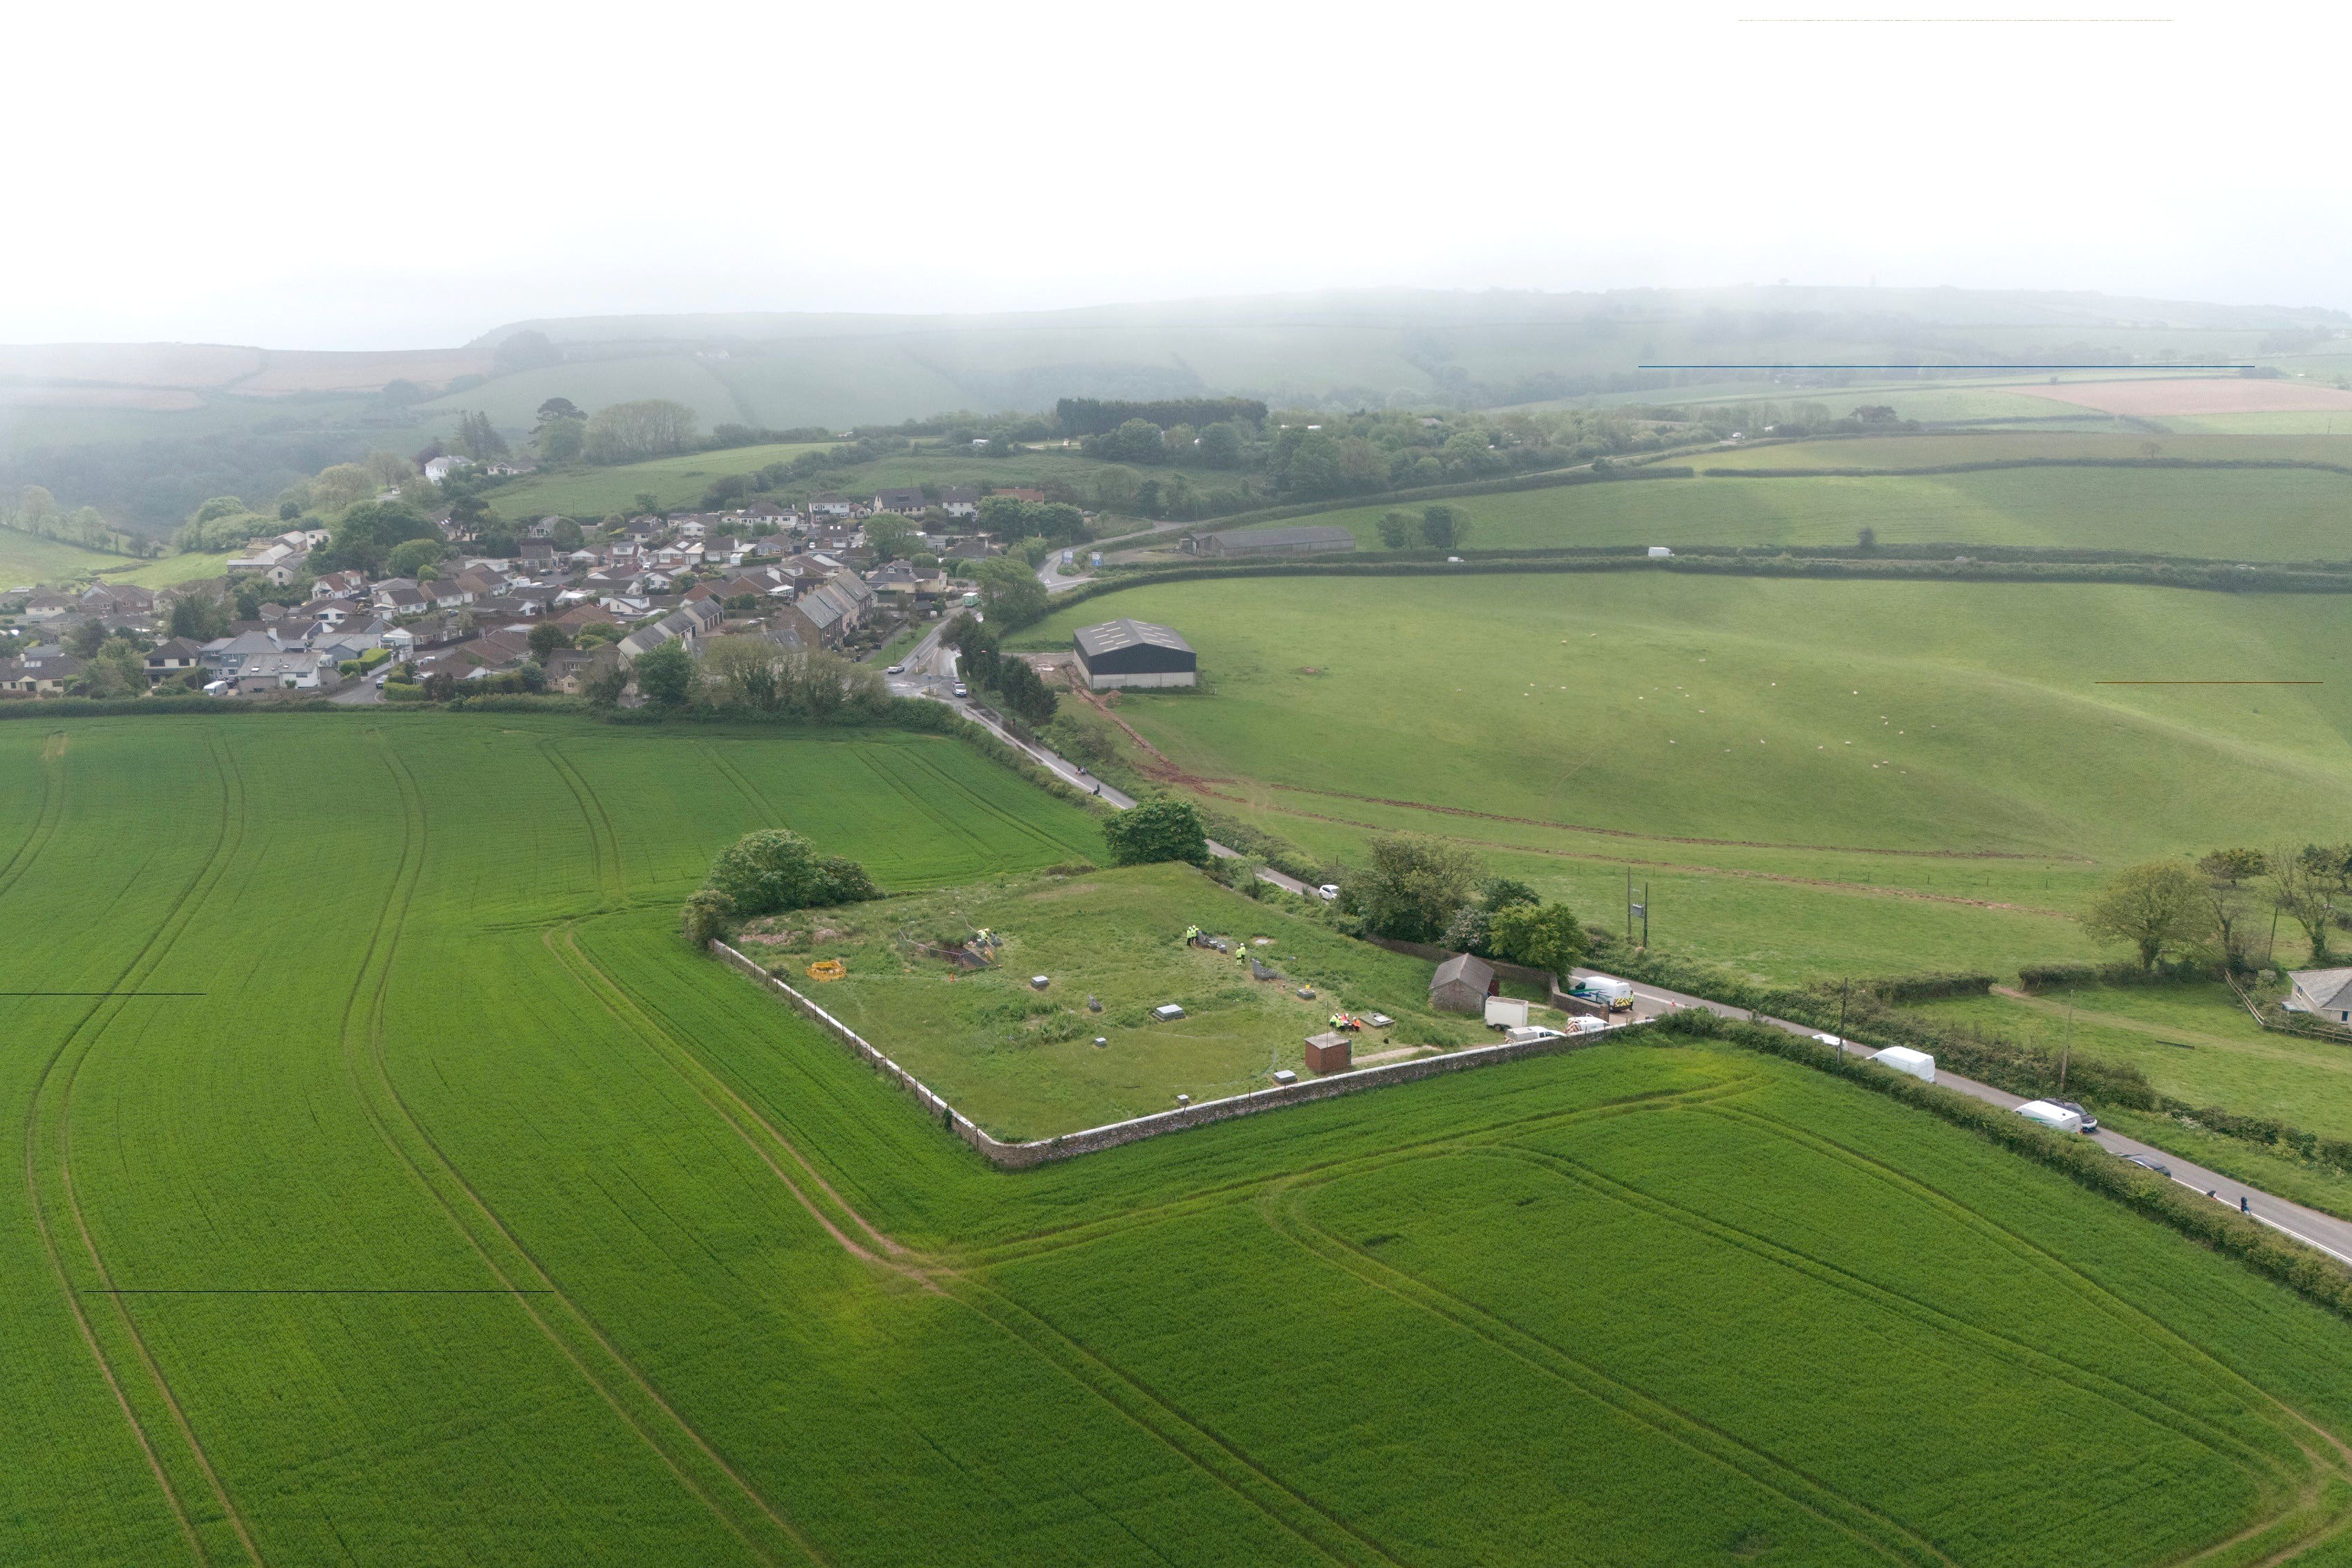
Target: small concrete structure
x=1461 y=984
x=1327 y=1052
x=1038 y=982
x=1283 y=1075
x=1169 y=1014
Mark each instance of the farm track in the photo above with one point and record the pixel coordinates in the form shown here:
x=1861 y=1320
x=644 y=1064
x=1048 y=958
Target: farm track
x=752 y=795
x=2330 y=1458
x=101 y=1013
x=697 y=1466
x=1888 y=1537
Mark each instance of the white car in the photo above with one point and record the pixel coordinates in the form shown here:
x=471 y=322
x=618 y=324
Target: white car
x=959 y=690
x=1328 y=892
x=897 y=669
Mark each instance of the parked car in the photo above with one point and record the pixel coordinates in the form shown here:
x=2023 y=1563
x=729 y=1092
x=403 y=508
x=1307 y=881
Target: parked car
x=1328 y=892
x=897 y=669
x=2090 y=1123
x=2145 y=1163
x=960 y=689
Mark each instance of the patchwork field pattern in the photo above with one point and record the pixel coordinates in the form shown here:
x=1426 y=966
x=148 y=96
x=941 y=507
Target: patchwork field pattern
x=396 y=1188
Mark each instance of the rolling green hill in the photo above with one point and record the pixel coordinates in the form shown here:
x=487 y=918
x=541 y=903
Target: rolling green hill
x=2250 y=514
x=398 y=1188
x=1818 y=777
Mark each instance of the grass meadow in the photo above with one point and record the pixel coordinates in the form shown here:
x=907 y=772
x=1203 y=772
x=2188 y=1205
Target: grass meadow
x=1022 y=1063
x=27 y=559
x=2251 y=515
x=1817 y=778
x=594 y=494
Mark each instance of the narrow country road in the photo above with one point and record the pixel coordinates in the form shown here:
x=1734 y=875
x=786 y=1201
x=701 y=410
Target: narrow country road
x=2324 y=1232
x=2313 y=1228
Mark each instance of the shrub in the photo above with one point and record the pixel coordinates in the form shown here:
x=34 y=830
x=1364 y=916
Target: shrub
x=708 y=914
x=775 y=869
x=1156 y=830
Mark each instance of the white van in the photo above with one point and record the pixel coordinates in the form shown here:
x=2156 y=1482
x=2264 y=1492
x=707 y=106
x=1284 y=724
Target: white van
x=1902 y=1058
x=2056 y=1117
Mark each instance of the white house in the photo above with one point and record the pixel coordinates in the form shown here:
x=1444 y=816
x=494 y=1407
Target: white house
x=2325 y=994
x=439 y=468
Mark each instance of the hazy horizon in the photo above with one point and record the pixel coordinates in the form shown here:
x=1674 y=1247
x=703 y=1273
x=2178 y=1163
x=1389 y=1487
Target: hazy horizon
x=386 y=200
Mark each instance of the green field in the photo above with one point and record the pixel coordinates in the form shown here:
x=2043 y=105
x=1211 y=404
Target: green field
x=2253 y=515
x=399 y=1190
x=1820 y=778
x=594 y=494
x=2194 y=1043
x=27 y=559
x=1022 y=1063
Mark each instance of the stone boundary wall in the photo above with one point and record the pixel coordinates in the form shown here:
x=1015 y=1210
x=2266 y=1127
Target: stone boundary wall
x=1020 y=1156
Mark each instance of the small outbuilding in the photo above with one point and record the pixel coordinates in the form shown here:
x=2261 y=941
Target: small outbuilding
x=1125 y=653
x=1461 y=984
x=1327 y=1052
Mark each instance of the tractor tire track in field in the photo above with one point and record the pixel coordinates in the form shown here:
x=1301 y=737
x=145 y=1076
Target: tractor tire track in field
x=1283 y=1209
x=1222 y=1460
x=1232 y=1194
x=2329 y=1456
x=2125 y=1398
x=1215 y=1456
x=700 y=1470
x=752 y=795
x=639 y=1020
x=84 y=1034
x=604 y=842
x=45 y=821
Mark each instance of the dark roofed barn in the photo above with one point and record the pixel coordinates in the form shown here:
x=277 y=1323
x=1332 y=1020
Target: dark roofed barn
x=1134 y=653
x=1308 y=539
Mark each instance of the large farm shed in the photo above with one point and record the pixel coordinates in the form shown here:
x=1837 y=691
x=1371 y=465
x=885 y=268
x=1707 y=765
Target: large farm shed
x=1134 y=653
x=1312 y=539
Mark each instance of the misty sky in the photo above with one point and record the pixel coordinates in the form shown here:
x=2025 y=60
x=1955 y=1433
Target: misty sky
x=316 y=177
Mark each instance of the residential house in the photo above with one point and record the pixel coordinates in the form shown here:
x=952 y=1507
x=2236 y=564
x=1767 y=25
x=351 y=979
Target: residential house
x=688 y=623
x=570 y=669
x=277 y=563
x=285 y=672
x=906 y=503
x=50 y=606
x=439 y=468
x=1015 y=493
x=346 y=585
x=167 y=659
x=20 y=678
x=960 y=502
x=2325 y=993
x=831 y=506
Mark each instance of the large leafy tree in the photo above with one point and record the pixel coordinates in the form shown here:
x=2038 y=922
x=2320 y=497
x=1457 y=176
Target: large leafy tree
x=666 y=675
x=1541 y=936
x=2152 y=906
x=774 y=869
x=1412 y=887
x=1154 y=831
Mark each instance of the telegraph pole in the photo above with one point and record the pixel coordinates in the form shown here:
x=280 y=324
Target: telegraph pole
x=1645 y=917
x=1629 y=906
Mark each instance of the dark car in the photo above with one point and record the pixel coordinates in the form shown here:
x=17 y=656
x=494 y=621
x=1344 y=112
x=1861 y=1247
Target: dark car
x=2145 y=1163
x=2090 y=1123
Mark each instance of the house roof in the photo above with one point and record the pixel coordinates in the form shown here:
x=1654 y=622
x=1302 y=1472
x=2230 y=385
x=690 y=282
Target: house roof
x=1123 y=633
x=1466 y=967
x=2325 y=987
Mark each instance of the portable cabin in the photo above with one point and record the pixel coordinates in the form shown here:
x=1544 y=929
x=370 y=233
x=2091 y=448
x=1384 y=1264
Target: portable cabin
x=2056 y=1117
x=1902 y=1058
x=1506 y=1013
